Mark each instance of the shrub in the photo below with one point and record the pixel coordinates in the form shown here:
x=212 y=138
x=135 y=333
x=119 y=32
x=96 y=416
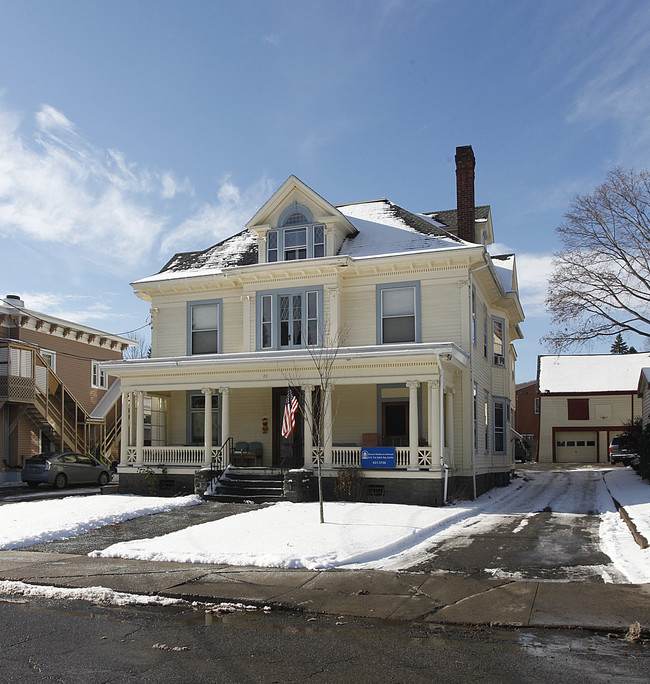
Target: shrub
x=350 y=485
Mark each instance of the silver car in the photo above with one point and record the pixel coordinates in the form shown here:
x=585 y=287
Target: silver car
x=63 y=469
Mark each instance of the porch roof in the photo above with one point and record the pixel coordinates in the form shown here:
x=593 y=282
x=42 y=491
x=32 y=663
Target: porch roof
x=243 y=369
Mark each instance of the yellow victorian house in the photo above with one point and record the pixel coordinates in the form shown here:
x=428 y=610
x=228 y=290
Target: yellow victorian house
x=393 y=329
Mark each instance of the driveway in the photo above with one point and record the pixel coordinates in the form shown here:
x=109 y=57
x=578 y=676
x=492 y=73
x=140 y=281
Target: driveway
x=547 y=530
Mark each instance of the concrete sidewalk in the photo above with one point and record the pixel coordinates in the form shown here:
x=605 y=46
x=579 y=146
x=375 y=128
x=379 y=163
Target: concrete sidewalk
x=442 y=599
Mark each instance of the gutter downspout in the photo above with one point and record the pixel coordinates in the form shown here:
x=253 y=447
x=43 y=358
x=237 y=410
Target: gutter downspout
x=442 y=428
x=471 y=365
x=441 y=418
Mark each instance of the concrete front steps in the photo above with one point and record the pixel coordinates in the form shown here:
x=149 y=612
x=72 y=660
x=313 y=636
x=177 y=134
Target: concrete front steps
x=257 y=485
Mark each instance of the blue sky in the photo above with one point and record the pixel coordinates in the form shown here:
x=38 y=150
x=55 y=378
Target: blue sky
x=132 y=130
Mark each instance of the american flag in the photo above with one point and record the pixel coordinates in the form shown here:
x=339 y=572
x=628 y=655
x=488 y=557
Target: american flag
x=289 y=415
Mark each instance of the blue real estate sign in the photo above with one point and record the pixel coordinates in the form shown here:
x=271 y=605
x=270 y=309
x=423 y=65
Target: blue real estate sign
x=378 y=457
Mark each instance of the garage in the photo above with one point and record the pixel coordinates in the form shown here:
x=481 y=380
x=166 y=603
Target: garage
x=576 y=447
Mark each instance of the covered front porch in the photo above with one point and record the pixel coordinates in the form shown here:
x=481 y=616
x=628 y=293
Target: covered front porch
x=372 y=418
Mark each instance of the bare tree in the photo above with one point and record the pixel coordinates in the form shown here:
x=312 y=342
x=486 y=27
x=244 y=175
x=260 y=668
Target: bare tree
x=140 y=351
x=323 y=357
x=600 y=285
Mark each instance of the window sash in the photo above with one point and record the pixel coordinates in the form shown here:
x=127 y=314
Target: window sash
x=272 y=246
x=498 y=342
x=99 y=379
x=204 y=321
x=499 y=425
x=398 y=314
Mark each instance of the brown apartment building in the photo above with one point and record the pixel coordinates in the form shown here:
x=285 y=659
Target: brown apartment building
x=54 y=394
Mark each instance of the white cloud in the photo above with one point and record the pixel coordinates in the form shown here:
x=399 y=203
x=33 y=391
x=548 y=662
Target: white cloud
x=82 y=309
x=272 y=39
x=213 y=222
x=58 y=188
x=610 y=83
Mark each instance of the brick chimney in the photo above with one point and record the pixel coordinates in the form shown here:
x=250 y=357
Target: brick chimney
x=465 y=164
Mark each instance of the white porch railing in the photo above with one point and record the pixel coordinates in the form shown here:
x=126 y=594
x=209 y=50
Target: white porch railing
x=170 y=455
x=342 y=457
x=350 y=457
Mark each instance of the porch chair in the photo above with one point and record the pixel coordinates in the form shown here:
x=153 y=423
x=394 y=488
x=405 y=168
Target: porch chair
x=240 y=450
x=255 y=451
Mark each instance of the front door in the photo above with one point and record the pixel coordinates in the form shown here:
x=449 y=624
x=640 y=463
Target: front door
x=287 y=453
x=395 y=423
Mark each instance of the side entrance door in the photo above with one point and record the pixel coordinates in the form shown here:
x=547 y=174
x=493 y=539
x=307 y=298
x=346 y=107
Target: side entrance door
x=395 y=423
x=287 y=453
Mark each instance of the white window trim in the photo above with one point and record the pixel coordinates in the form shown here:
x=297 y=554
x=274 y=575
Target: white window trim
x=98 y=377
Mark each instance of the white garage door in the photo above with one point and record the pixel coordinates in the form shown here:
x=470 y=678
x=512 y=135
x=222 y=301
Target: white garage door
x=575 y=447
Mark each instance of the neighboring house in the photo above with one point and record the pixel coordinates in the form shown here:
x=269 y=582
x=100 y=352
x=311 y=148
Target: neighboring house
x=643 y=390
x=527 y=415
x=54 y=394
x=585 y=401
x=421 y=319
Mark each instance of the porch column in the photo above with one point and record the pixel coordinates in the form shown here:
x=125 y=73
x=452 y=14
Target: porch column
x=124 y=430
x=308 y=419
x=449 y=424
x=225 y=414
x=413 y=424
x=139 y=428
x=207 y=426
x=327 y=429
x=434 y=422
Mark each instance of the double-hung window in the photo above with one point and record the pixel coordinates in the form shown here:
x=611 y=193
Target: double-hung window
x=499 y=425
x=498 y=342
x=398 y=313
x=196 y=418
x=99 y=379
x=289 y=319
x=204 y=327
x=295 y=244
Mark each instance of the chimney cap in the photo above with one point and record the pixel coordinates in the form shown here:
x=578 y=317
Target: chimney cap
x=14 y=300
x=464 y=151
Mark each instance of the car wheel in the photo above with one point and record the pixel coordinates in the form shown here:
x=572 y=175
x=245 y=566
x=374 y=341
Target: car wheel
x=60 y=481
x=103 y=479
x=33 y=485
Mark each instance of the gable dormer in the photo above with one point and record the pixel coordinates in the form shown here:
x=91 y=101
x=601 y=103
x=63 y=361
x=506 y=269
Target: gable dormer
x=297 y=223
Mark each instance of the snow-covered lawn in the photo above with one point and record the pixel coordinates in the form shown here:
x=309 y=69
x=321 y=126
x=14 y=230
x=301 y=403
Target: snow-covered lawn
x=354 y=535
x=391 y=537
x=36 y=522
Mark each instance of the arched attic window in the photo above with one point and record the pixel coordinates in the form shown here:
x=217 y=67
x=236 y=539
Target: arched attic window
x=295 y=218
x=297 y=236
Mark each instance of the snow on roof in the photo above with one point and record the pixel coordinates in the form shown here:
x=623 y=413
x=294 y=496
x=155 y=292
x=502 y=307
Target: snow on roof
x=504 y=266
x=238 y=250
x=586 y=373
x=385 y=228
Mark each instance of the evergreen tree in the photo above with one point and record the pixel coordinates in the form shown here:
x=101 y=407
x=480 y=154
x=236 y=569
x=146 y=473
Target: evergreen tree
x=619 y=346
